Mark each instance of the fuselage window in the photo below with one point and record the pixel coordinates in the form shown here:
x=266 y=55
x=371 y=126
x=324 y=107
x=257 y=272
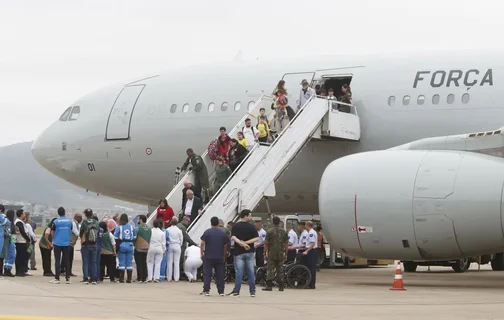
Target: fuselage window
x=198 y=106
x=64 y=116
x=75 y=113
x=224 y=106
x=406 y=100
x=450 y=98
x=435 y=99
x=421 y=99
x=251 y=105
x=211 y=106
x=173 y=108
x=465 y=98
x=391 y=101
x=237 y=105
x=185 y=107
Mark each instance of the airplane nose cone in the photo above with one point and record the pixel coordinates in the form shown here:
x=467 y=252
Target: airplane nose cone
x=37 y=151
x=45 y=149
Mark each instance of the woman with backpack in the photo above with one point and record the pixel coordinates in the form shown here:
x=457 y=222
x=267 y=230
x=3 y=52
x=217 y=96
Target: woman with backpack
x=124 y=235
x=280 y=119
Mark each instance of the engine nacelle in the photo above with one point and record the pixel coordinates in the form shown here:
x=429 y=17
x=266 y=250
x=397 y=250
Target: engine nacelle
x=413 y=205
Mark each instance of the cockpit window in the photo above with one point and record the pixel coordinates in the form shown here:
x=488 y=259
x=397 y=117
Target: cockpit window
x=75 y=113
x=64 y=116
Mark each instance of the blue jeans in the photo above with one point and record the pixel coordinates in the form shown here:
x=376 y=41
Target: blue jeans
x=89 y=263
x=241 y=262
x=98 y=261
x=10 y=257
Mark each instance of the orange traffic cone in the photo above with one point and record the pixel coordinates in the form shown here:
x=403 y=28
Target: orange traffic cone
x=398 y=284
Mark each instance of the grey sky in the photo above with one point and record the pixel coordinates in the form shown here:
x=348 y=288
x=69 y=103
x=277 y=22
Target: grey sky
x=54 y=51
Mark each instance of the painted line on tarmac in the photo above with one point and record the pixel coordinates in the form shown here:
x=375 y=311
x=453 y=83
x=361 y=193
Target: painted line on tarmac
x=43 y=318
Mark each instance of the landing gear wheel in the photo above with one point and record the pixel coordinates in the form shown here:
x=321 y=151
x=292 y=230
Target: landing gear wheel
x=298 y=277
x=498 y=262
x=462 y=265
x=410 y=266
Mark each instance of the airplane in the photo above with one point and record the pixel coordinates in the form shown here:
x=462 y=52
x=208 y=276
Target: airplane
x=432 y=109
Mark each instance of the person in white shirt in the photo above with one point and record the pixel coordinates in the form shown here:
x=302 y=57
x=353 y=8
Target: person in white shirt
x=157 y=247
x=305 y=94
x=293 y=244
x=250 y=133
x=311 y=253
x=31 y=234
x=174 y=250
x=302 y=237
x=192 y=262
x=259 y=245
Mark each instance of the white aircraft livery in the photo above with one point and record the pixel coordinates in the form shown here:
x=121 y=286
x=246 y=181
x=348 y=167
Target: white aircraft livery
x=412 y=170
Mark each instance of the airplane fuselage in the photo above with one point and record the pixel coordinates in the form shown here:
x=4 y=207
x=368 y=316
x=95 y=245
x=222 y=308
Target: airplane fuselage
x=399 y=99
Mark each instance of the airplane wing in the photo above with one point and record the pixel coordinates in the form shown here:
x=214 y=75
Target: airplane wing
x=487 y=142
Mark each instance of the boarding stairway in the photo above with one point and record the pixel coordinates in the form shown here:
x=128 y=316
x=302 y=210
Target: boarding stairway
x=256 y=175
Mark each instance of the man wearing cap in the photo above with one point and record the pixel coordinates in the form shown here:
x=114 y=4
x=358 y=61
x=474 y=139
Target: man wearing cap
x=305 y=94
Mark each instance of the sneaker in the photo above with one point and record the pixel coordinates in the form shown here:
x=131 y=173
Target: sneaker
x=252 y=294
x=234 y=294
x=156 y=281
x=84 y=281
x=221 y=294
x=54 y=281
x=94 y=283
x=28 y=274
x=72 y=275
x=206 y=294
x=68 y=281
x=33 y=269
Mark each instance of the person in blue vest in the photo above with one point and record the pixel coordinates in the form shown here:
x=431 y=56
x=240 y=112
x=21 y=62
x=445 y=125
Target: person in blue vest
x=62 y=228
x=3 y=222
x=10 y=244
x=4 y=237
x=125 y=235
x=164 y=261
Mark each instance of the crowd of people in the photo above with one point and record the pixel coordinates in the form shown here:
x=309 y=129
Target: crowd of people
x=110 y=246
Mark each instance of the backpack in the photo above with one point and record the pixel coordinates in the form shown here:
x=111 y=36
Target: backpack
x=213 y=150
x=252 y=128
x=92 y=232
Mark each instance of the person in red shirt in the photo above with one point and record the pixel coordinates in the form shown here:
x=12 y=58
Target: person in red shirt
x=165 y=212
x=224 y=143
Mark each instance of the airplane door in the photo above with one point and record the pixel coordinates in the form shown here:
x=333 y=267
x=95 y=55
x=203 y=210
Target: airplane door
x=293 y=84
x=119 y=121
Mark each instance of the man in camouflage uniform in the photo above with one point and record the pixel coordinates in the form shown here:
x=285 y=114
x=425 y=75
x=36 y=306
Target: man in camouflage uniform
x=275 y=251
x=200 y=171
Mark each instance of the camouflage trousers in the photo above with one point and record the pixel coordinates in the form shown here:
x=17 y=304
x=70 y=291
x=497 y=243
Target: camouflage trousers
x=275 y=270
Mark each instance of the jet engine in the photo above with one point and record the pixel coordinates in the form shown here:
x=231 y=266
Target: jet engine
x=413 y=205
